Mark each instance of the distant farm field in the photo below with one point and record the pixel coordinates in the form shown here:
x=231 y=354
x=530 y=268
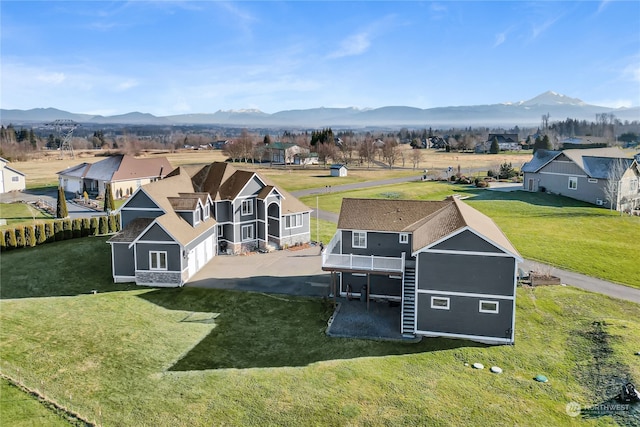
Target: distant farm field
x=41 y=171
x=131 y=356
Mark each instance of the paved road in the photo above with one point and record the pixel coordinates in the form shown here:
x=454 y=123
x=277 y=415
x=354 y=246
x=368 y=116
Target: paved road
x=568 y=277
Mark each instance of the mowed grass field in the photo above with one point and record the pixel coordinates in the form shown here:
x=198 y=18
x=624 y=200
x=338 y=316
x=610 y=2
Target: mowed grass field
x=552 y=229
x=166 y=357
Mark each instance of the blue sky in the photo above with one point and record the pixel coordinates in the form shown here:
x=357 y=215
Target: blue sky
x=178 y=57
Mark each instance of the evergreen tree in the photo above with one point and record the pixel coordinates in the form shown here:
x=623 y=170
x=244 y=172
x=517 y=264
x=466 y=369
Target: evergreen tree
x=61 y=207
x=109 y=204
x=266 y=140
x=495 y=147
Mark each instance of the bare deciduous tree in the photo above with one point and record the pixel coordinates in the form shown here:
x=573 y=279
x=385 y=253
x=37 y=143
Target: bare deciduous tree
x=416 y=157
x=612 y=186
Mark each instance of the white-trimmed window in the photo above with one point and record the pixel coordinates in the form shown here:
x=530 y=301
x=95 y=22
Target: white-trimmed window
x=573 y=183
x=15 y=179
x=293 y=221
x=207 y=210
x=220 y=230
x=359 y=239
x=247 y=232
x=198 y=217
x=157 y=260
x=592 y=180
x=247 y=207
x=404 y=238
x=489 y=306
x=440 y=303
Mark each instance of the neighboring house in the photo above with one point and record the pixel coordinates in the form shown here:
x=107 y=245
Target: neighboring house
x=506 y=142
x=338 y=170
x=172 y=227
x=10 y=178
x=288 y=153
x=451 y=269
x=125 y=173
x=602 y=176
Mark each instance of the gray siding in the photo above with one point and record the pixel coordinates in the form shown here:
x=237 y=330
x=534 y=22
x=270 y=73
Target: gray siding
x=467 y=241
x=274 y=227
x=464 y=317
x=187 y=216
x=288 y=232
x=201 y=238
x=123 y=262
x=223 y=211
x=466 y=273
x=141 y=200
x=174 y=254
x=126 y=216
x=237 y=210
x=252 y=188
x=378 y=243
x=156 y=234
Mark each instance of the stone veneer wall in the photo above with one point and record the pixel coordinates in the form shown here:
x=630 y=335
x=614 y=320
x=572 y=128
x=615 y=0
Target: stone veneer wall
x=158 y=278
x=291 y=241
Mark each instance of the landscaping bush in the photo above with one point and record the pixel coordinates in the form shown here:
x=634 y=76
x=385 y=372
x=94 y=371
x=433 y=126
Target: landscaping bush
x=29 y=236
x=103 y=225
x=67 y=229
x=86 y=227
x=113 y=223
x=10 y=237
x=49 y=233
x=3 y=241
x=40 y=234
x=482 y=184
x=19 y=233
x=491 y=173
x=93 y=226
x=76 y=227
x=58 y=232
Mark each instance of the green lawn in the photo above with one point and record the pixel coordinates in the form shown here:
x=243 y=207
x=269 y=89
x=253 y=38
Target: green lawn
x=21 y=213
x=189 y=356
x=552 y=229
x=19 y=409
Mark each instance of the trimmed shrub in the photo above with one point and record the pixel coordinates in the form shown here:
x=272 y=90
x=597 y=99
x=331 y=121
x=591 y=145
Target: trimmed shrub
x=49 y=234
x=93 y=226
x=29 y=236
x=3 y=242
x=86 y=227
x=58 y=232
x=67 y=228
x=113 y=224
x=102 y=225
x=482 y=184
x=76 y=227
x=41 y=235
x=19 y=232
x=10 y=238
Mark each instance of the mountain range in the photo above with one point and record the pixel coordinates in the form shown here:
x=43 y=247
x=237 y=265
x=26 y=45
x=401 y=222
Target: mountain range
x=523 y=113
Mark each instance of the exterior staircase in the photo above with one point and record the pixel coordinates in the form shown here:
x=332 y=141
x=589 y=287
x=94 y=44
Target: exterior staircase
x=409 y=300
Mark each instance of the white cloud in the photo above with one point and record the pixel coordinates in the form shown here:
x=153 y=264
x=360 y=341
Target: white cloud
x=500 y=38
x=356 y=44
x=632 y=72
x=52 y=78
x=613 y=103
x=125 y=85
x=541 y=28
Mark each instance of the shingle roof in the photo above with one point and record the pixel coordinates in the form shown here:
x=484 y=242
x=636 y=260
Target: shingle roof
x=120 y=167
x=132 y=230
x=428 y=221
x=540 y=158
x=595 y=162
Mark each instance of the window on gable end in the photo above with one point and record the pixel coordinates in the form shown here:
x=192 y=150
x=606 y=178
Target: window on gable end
x=359 y=239
x=247 y=207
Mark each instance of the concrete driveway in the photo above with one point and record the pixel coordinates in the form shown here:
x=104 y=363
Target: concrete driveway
x=290 y=272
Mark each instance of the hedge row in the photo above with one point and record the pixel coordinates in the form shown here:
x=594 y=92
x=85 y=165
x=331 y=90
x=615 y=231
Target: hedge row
x=25 y=236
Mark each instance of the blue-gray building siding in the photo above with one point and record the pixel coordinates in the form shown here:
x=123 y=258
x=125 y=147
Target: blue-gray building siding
x=155 y=234
x=379 y=284
x=141 y=200
x=464 y=317
x=126 y=215
x=378 y=244
x=123 y=261
x=466 y=273
x=467 y=241
x=174 y=255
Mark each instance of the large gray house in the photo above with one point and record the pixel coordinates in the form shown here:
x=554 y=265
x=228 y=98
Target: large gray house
x=602 y=176
x=452 y=270
x=172 y=227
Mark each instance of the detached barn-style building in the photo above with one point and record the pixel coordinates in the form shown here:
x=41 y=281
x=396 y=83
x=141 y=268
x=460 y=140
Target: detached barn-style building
x=10 y=178
x=449 y=266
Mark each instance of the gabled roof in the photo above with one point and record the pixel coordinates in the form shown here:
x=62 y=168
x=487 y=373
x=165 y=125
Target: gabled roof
x=281 y=145
x=131 y=231
x=224 y=182
x=5 y=165
x=120 y=167
x=428 y=221
x=338 y=166
x=595 y=162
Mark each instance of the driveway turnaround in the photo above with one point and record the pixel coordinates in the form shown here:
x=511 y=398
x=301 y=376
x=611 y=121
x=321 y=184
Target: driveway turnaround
x=288 y=272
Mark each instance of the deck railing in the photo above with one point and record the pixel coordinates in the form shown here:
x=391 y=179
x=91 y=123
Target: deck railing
x=332 y=259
